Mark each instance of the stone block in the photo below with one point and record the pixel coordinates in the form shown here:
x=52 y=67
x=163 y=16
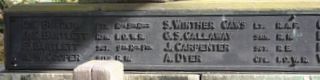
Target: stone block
x=258 y=76
x=69 y=76
x=99 y=70
x=45 y=76
x=314 y=77
x=4 y=77
x=162 y=76
x=119 y=1
x=108 y=70
x=83 y=71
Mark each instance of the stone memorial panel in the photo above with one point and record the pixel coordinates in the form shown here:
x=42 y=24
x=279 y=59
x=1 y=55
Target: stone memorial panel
x=272 y=42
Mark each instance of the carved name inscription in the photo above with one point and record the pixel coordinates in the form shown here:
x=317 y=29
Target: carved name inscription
x=287 y=42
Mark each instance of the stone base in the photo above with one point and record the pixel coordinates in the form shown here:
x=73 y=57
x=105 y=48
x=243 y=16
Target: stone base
x=118 y=1
x=67 y=75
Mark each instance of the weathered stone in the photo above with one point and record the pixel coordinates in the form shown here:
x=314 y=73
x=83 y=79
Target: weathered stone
x=168 y=76
x=99 y=70
x=68 y=76
x=4 y=77
x=240 y=76
x=314 y=77
x=108 y=70
x=162 y=76
x=46 y=76
x=198 y=5
x=70 y=40
x=36 y=76
x=112 y=1
x=84 y=71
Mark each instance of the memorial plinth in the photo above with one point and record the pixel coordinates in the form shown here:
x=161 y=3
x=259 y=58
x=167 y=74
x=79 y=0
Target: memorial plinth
x=170 y=76
x=186 y=35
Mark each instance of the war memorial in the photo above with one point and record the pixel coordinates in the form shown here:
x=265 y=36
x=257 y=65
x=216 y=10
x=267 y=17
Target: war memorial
x=164 y=40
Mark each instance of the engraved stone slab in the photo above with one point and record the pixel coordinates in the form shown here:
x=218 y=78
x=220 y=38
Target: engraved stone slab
x=153 y=41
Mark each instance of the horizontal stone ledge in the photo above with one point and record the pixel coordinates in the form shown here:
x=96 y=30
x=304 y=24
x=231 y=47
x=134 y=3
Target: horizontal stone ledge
x=261 y=76
x=164 y=75
x=69 y=76
x=188 y=5
x=119 y=1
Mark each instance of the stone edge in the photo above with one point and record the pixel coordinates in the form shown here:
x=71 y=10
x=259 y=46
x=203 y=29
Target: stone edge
x=172 y=76
x=204 y=5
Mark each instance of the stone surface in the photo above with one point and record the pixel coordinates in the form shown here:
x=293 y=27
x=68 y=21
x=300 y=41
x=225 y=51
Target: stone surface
x=121 y=1
x=148 y=40
x=194 y=59
x=2 y=67
x=100 y=8
x=107 y=70
x=203 y=5
x=199 y=5
x=68 y=76
x=4 y=77
x=314 y=77
x=162 y=76
x=257 y=76
x=84 y=71
x=58 y=76
x=99 y=70
x=36 y=76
